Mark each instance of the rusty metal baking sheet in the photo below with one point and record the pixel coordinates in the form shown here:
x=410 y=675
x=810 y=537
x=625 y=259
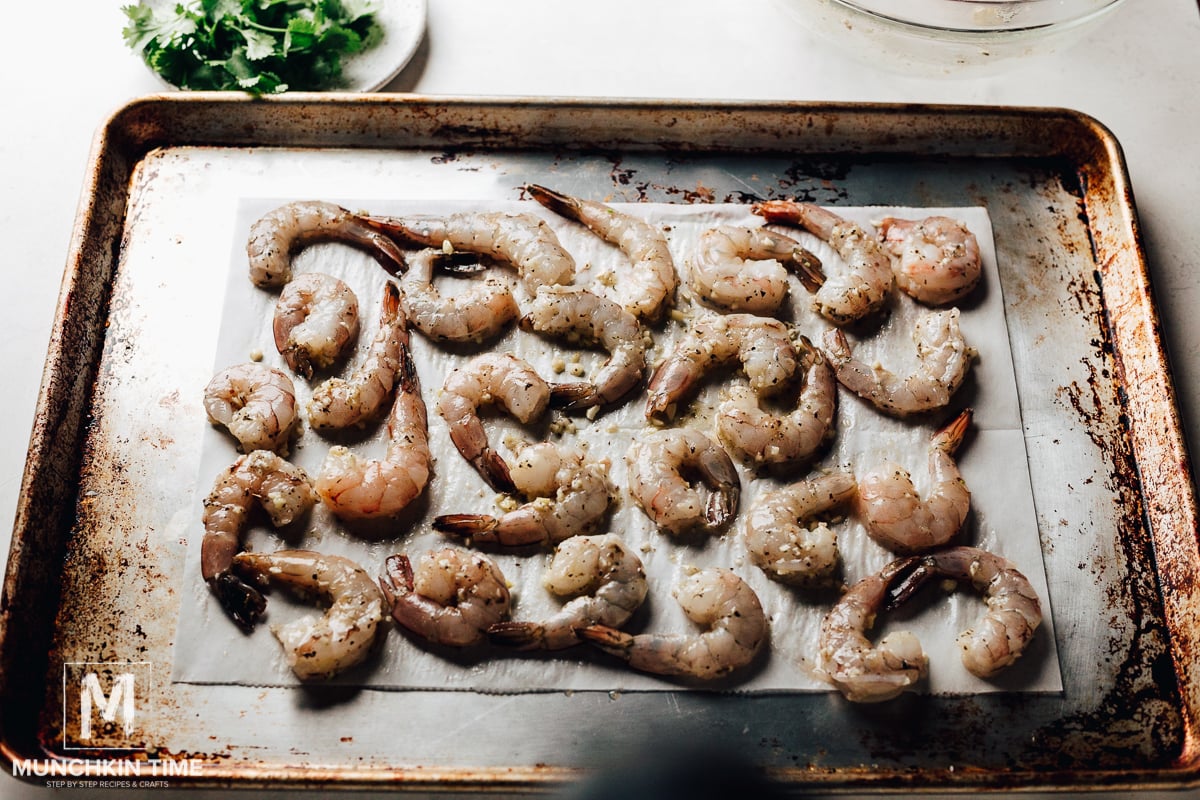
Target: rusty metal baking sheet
x=95 y=575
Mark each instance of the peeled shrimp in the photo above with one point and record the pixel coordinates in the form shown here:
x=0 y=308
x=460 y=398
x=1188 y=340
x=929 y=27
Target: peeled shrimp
x=937 y=258
x=284 y=492
x=606 y=582
x=570 y=495
x=341 y=403
x=580 y=316
x=476 y=314
x=784 y=536
x=649 y=286
x=490 y=378
x=256 y=403
x=280 y=233
x=863 y=286
x=897 y=517
x=316 y=321
x=452 y=597
x=321 y=647
x=718 y=599
x=745 y=269
x=656 y=460
x=943 y=360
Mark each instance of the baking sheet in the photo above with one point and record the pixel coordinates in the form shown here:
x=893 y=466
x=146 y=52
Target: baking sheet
x=212 y=650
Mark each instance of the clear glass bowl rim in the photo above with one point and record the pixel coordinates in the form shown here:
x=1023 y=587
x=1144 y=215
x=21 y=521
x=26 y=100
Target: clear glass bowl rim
x=982 y=16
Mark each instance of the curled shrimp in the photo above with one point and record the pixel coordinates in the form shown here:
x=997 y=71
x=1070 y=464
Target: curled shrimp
x=316 y=321
x=569 y=497
x=745 y=269
x=785 y=537
x=651 y=283
x=581 y=316
x=474 y=315
x=362 y=488
x=606 y=583
x=897 y=517
x=452 y=597
x=523 y=241
x=340 y=403
x=284 y=492
x=281 y=233
x=773 y=440
x=256 y=403
x=938 y=258
x=490 y=378
x=321 y=647
x=763 y=346
x=943 y=361
x=657 y=463
x=718 y=599
x=863 y=286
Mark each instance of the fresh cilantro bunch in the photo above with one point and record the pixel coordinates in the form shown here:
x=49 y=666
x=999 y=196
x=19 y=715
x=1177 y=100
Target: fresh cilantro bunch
x=261 y=46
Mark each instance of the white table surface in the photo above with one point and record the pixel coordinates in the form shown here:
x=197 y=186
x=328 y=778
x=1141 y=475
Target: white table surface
x=1139 y=75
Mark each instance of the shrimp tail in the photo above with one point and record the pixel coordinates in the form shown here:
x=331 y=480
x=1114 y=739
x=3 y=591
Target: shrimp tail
x=242 y=602
x=610 y=640
x=572 y=396
x=557 y=202
x=905 y=577
x=519 y=635
x=950 y=437
x=397 y=581
x=494 y=470
x=480 y=527
x=807 y=267
x=721 y=506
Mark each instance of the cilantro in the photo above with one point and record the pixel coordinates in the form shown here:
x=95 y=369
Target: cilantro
x=261 y=46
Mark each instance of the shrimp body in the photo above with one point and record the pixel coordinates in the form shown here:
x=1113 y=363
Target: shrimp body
x=781 y=535
x=764 y=347
x=656 y=462
x=863 y=286
x=284 y=492
x=474 y=315
x=606 y=583
x=578 y=315
x=943 y=361
x=734 y=622
x=651 y=283
x=499 y=378
x=281 y=233
x=340 y=403
x=897 y=517
x=570 y=496
x=256 y=403
x=320 y=647
x=937 y=258
x=452 y=596
x=746 y=269
x=316 y=321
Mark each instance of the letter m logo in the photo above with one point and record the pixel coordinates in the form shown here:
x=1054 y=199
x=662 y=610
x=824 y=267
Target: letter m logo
x=119 y=700
x=103 y=703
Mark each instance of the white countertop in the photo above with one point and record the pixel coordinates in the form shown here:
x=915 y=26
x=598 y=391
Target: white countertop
x=1138 y=75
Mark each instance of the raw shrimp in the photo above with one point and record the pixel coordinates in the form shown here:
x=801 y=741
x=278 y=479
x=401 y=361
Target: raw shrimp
x=764 y=347
x=360 y=488
x=569 y=497
x=490 y=378
x=340 y=403
x=1013 y=609
x=649 y=286
x=745 y=269
x=281 y=233
x=478 y=313
x=316 y=322
x=863 y=672
x=524 y=241
x=284 y=492
x=321 y=647
x=452 y=597
x=937 y=258
x=657 y=463
x=767 y=439
x=718 y=599
x=943 y=361
x=580 y=316
x=256 y=403
x=780 y=531
x=606 y=582
x=863 y=286
x=897 y=517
